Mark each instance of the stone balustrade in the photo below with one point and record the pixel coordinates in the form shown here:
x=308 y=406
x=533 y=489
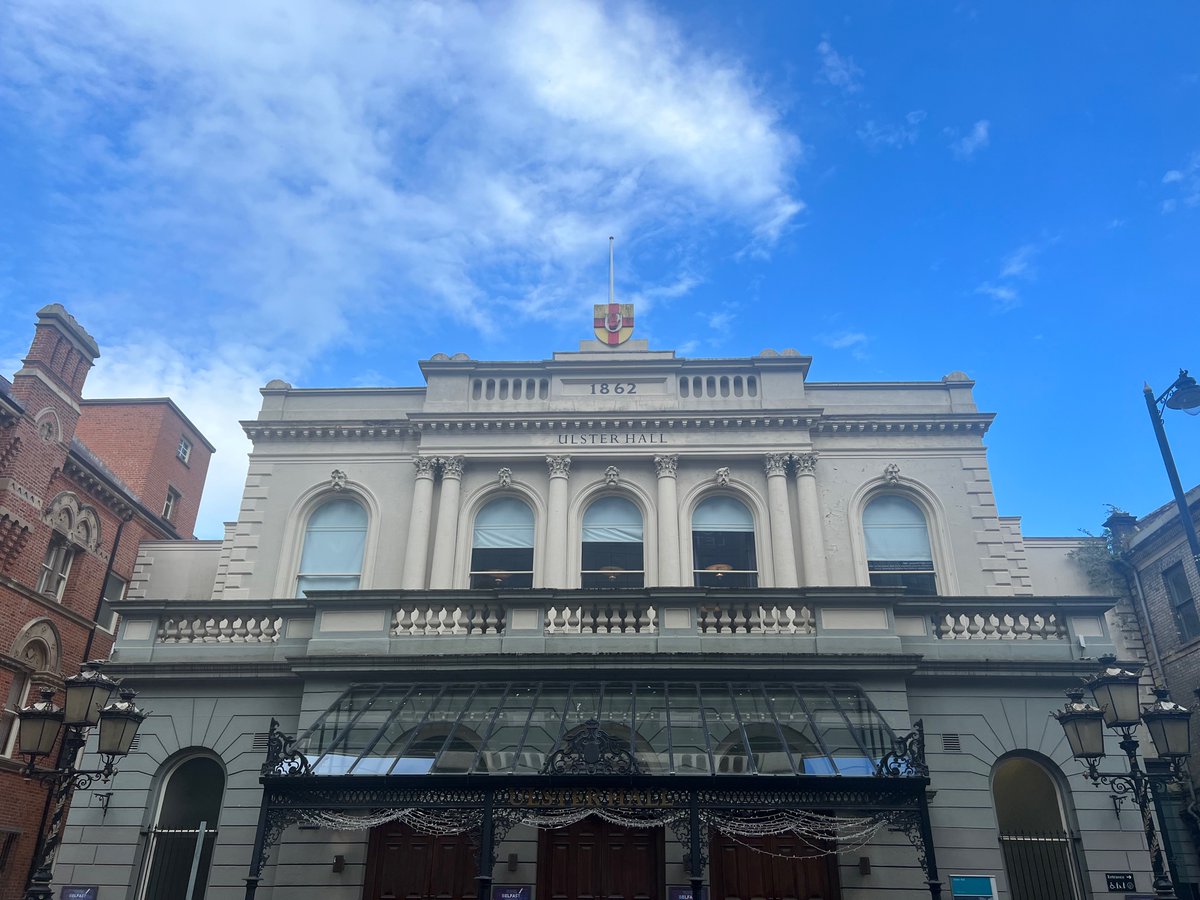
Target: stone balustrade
x=811 y=621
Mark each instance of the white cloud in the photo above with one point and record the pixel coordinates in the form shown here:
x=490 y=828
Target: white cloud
x=1185 y=181
x=266 y=176
x=854 y=341
x=1006 y=296
x=975 y=140
x=1019 y=263
x=839 y=71
x=876 y=136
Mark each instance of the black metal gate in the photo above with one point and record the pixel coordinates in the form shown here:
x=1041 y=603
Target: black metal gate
x=179 y=857
x=1040 y=866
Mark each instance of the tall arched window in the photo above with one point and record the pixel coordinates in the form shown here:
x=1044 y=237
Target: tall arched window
x=723 y=544
x=502 y=546
x=191 y=798
x=898 y=551
x=334 y=542
x=612 y=545
x=1039 y=854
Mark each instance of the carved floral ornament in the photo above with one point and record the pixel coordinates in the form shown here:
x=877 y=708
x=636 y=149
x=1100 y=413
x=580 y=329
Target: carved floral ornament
x=559 y=466
x=805 y=463
x=776 y=463
x=452 y=466
x=424 y=466
x=76 y=521
x=666 y=464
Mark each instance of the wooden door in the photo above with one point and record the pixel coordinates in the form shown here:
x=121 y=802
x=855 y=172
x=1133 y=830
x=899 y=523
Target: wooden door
x=595 y=860
x=770 y=868
x=403 y=864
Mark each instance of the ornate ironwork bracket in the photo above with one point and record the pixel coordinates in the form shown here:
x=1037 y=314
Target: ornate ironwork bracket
x=907 y=756
x=590 y=750
x=282 y=756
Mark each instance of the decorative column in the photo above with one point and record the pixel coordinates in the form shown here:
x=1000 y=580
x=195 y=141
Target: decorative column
x=782 y=547
x=556 y=526
x=668 y=520
x=417 y=552
x=812 y=536
x=441 y=575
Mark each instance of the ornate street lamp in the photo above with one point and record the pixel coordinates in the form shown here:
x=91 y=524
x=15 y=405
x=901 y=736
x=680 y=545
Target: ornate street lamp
x=86 y=705
x=1116 y=693
x=1182 y=394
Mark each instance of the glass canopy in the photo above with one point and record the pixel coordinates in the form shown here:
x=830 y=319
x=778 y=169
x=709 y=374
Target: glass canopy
x=672 y=728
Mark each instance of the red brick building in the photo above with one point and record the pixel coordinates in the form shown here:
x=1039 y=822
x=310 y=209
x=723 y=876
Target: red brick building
x=82 y=483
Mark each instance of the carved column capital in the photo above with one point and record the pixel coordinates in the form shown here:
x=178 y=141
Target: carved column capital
x=666 y=465
x=452 y=467
x=776 y=463
x=424 y=465
x=806 y=463
x=559 y=466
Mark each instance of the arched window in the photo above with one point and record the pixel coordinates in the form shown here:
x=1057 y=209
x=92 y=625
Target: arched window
x=898 y=551
x=334 y=542
x=612 y=545
x=36 y=655
x=723 y=544
x=191 y=799
x=1039 y=854
x=502 y=546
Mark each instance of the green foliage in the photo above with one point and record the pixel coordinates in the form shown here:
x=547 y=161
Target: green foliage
x=1100 y=559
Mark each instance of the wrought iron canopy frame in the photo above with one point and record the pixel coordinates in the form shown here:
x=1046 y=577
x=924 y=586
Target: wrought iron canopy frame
x=292 y=794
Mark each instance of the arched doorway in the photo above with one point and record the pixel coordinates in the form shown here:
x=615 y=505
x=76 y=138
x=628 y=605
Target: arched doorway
x=1039 y=856
x=183 y=837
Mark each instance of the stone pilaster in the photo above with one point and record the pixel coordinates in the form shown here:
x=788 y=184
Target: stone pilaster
x=783 y=548
x=441 y=575
x=668 y=520
x=417 y=552
x=812 y=532
x=556 y=528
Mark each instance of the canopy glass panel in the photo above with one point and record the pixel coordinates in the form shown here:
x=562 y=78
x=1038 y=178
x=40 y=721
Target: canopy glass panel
x=677 y=728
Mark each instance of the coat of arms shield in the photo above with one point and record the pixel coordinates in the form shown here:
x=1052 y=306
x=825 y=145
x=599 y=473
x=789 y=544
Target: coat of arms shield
x=614 y=323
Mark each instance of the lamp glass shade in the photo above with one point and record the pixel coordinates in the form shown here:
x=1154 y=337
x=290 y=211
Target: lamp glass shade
x=119 y=723
x=1169 y=725
x=1116 y=693
x=87 y=694
x=40 y=724
x=1084 y=729
x=1186 y=394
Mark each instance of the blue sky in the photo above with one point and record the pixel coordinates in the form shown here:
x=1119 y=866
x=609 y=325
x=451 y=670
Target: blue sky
x=230 y=192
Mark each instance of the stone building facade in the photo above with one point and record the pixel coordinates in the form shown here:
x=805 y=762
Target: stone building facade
x=70 y=526
x=613 y=622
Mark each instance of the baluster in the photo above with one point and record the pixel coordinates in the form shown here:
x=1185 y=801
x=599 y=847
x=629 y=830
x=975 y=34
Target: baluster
x=225 y=630
x=419 y=617
x=989 y=626
x=404 y=620
x=974 y=626
x=274 y=628
x=186 y=631
x=958 y=628
x=255 y=633
x=168 y=631
x=651 y=619
x=754 y=619
x=395 y=623
x=724 y=620
x=575 y=619
x=1037 y=627
x=498 y=616
x=1020 y=628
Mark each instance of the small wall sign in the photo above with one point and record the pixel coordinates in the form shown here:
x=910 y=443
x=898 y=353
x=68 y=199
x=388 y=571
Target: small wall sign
x=684 y=892
x=972 y=887
x=512 y=892
x=79 y=892
x=1120 y=881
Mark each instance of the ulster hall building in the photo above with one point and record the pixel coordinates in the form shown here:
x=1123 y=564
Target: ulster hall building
x=614 y=624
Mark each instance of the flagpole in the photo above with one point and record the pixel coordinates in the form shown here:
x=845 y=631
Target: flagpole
x=610 y=271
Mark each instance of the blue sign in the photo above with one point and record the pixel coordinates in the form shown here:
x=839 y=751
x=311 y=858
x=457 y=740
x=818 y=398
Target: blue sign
x=972 y=887
x=684 y=892
x=512 y=892
x=79 y=892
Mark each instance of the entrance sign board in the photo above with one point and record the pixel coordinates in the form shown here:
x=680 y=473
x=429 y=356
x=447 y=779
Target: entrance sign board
x=512 y=892
x=973 y=887
x=684 y=892
x=1120 y=881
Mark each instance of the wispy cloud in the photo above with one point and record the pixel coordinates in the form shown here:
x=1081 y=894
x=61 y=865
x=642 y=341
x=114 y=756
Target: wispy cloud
x=854 y=341
x=1018 y=266
x=839 y=71
x=877 y=136
x=1019 y=263
x=1006 y=296
x=269 y=174
x=972 y=142
x=1185 y=183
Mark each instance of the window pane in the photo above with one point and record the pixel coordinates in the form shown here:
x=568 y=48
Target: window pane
x=506 y=522
x=895 y=529
x=334 y=544
x=611 y=520
x=722 y=514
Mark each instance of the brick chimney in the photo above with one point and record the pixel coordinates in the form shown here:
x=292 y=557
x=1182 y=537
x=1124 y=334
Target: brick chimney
x=53 y=374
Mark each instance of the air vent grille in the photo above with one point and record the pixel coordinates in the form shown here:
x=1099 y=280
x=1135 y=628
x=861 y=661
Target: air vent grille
x=951 y=743
x=259 y=744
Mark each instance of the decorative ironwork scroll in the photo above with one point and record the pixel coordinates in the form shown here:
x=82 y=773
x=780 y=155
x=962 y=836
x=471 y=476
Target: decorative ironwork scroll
x=907 y=756
x=282 y=757
x=590 y=750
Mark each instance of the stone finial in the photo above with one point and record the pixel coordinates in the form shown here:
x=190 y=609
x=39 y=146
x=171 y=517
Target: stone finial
x=723 y=475
x=776 y=463
x=666 y=464
x=612 y=475
x=806 y=463
x=559 y=466
x=452 y=466
x=424 y=465
x=891 y=473
x=337 y=480
x=505 y=477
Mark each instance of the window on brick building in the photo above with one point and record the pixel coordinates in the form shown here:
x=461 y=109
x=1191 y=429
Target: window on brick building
x=171 y=505
x=1182 y=602
x=17 y=693
x=114 y=589
x=56 y=567
x=185 y=450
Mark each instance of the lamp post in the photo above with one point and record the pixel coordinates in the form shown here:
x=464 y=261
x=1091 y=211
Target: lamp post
x=1182 y=394
x=1116 y=691
x=86 y=705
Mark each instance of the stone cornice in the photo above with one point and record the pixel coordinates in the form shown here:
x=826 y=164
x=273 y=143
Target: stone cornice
x=874 y=424
x=79 y=468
